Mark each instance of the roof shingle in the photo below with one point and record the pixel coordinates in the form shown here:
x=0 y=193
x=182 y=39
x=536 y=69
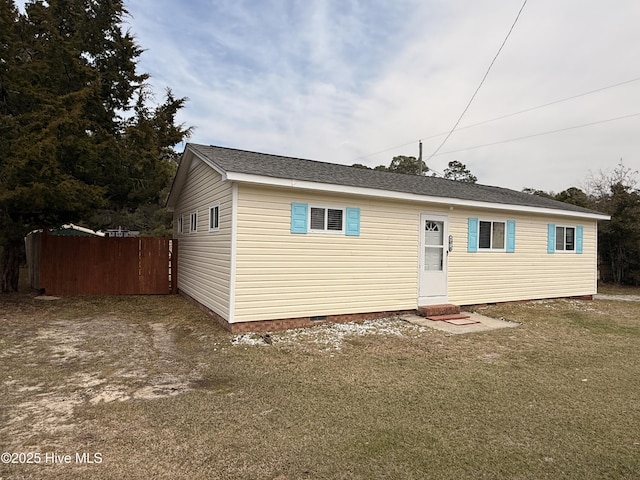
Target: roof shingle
x=253 y=163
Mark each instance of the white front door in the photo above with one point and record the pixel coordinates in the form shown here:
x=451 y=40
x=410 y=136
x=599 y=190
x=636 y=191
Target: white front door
x=434 y=243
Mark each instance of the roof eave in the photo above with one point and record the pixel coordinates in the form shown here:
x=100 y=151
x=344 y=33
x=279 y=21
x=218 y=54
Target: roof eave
x=180 y=178
x=373 y=192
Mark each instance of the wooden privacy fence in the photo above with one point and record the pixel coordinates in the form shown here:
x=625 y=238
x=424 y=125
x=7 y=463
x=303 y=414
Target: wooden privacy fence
x=106 y=266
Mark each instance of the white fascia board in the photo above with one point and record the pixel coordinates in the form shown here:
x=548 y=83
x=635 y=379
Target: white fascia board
x=179 y=179
x=189 y=160
x=206 y=161
x=373 y=192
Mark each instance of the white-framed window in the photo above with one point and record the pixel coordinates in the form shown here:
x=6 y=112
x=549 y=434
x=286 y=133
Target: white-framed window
x=491 y=235
x=565 y=239
x=214 y=218
x=326 y=219
x=193 y=222
x=180 y=225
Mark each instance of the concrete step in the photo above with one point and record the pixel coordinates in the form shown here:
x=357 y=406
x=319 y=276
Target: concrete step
x=442 y=309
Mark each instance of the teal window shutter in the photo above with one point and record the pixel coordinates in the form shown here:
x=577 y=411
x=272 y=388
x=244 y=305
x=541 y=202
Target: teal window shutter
x=511 y=236
x=472 y=235
x=579 y=238
x=299 y=217
x=551 y=238
x=352 y=226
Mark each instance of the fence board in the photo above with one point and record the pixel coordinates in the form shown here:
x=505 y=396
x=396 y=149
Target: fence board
x=32 y=243
x=105 y=266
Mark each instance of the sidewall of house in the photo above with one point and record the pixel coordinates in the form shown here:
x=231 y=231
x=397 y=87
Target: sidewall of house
x=204 y=256
x=529 y=272
x=281 y=275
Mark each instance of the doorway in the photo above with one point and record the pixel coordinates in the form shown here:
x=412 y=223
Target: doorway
x=434 y=251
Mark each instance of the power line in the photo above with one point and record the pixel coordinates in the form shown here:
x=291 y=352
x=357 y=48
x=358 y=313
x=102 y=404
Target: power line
x=541 y=133
x=483 y=122
x=481 y=82
x=545 y=105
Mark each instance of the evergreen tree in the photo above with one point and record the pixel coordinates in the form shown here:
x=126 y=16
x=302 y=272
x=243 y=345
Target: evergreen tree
x=67 y=81
x=458 y=171
x=616 y=193
x=410 y=165
x=540 y=193
x=619 y=239
x=575 y=196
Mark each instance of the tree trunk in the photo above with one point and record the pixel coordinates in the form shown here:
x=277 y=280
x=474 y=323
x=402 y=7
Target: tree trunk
x=618 y=264
x=11 y=254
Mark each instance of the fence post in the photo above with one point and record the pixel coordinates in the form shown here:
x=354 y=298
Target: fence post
x=44 y=262
x=174 y=266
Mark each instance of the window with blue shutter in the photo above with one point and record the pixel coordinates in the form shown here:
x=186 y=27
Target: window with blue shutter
x=299 y=217
x=511 y=236
x=491 y=235
x=352 y=227
x=307 y=218
x=565 y=238
x=472 y=235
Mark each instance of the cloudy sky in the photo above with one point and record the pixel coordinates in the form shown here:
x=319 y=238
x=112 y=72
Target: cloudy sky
x=360 y=81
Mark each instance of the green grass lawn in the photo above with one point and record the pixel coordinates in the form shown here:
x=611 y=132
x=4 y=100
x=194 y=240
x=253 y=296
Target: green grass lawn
x=160 y=391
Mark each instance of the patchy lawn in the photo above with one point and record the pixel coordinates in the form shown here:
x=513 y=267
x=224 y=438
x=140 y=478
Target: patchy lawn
x=158 y=390
x=613 y=289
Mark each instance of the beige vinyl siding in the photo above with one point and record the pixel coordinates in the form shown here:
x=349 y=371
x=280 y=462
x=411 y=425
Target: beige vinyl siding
x=204 y=258
x=528 y=273
x=284 y=275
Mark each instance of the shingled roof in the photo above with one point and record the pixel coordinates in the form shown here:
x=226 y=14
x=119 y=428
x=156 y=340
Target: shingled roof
x=231 y=160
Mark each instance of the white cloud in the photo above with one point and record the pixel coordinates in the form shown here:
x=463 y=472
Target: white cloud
x=337 y=80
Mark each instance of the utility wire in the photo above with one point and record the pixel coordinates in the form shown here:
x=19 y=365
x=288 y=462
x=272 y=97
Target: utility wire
x=506 y=116
x=542 y=133
x=543 y=105
x=481 y=83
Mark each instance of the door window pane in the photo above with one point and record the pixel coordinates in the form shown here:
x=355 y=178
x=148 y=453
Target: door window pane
x=433 y=257
x=433 y=232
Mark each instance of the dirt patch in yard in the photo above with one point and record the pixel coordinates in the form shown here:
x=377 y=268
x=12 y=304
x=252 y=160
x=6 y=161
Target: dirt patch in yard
x=104 y=358
x=65 y=363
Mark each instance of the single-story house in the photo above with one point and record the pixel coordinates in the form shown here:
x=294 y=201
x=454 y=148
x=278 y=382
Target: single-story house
x=268 y=242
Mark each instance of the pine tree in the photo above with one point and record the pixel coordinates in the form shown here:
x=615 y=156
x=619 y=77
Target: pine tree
x=69 y=141
x=410 y=165
x=458 y=171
